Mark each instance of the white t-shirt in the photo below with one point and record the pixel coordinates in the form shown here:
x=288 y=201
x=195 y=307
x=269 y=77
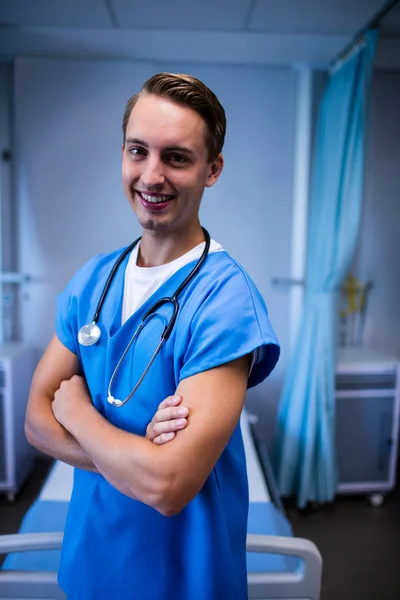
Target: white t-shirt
x=142 y=282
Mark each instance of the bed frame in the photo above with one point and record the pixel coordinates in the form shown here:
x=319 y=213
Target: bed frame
x=304 y=583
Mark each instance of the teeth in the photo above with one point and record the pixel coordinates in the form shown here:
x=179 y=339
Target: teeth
x=155 y=199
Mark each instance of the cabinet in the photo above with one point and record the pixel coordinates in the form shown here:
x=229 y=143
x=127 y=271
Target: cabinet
x=17 y=363
x=367 y=421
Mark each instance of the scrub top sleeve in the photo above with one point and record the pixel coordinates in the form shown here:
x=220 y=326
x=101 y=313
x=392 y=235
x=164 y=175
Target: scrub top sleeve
x=66 y=325
x=64 y=321
x=231 y=321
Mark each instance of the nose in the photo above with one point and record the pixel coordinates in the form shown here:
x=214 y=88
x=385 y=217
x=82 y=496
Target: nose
x=152 y=173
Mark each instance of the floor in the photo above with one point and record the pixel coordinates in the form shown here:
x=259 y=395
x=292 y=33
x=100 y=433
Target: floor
x=360 y=544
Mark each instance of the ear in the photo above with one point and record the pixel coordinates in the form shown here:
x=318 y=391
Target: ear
x=214 y=170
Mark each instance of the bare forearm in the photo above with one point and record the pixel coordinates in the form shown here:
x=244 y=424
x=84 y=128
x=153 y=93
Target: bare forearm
x=46 y=434
x=130 y=463
x=155 y=475
x=165 y=477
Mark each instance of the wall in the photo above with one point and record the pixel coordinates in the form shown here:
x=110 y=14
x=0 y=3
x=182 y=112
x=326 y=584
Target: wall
x=378 y=248
x=8 y=249
x=5 y=145
x=70 y=199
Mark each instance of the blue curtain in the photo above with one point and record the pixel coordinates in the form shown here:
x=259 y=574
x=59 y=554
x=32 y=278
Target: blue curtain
x=304 y=451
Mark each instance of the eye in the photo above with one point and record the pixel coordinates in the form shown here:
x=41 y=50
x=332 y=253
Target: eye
x=177 y=159
x=137 y=151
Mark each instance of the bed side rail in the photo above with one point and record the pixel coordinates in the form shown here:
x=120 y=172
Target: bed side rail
x=303 y=583
x=30 y=585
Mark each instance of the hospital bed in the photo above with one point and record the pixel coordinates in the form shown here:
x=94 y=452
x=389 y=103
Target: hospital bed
x=280 y=566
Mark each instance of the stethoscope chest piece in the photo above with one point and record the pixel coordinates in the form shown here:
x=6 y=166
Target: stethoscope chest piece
x=89 y=334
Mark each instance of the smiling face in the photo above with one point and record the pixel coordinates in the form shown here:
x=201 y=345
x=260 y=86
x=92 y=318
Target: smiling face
x=165 y=164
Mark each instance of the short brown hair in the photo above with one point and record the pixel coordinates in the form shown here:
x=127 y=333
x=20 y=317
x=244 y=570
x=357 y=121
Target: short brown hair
x=191 y=92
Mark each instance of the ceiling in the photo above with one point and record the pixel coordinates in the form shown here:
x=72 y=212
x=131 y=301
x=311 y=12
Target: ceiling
x=273 y=32
x=390 y=25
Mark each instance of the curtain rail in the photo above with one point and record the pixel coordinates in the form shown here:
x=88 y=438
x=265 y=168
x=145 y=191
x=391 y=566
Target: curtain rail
x=358 y=37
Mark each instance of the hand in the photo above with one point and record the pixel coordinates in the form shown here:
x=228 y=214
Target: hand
x=169 y=418
x=70 y=399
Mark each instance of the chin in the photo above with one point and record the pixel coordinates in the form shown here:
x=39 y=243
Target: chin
x=155 y=225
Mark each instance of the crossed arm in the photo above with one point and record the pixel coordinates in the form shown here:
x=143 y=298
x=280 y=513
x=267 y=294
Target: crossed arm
x=62 y=421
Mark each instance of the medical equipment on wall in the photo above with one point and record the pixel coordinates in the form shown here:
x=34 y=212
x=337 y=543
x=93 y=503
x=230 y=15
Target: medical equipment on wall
x=89 y=334
x=352 y=315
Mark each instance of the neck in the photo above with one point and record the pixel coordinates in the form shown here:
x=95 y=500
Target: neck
x=159 y=248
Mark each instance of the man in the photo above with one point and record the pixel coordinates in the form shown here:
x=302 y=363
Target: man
x=154 y=521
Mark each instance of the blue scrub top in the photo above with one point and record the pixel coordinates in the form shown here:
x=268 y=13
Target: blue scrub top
x=116 y=548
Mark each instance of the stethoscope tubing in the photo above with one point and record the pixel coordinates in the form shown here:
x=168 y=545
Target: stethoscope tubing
x=110 y=278
x=162 y=301
x=119 y=403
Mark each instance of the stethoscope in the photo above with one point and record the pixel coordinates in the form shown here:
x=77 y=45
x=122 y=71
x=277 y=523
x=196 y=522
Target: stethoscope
x=90 y=334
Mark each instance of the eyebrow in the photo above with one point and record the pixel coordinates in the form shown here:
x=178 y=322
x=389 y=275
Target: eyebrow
x=171 y=148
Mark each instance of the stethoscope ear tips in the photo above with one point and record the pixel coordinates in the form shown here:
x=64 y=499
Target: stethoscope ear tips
x=113 y=401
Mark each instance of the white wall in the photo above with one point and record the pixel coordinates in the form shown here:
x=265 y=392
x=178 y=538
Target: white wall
x=5 y=166
x=378 y=251
x=71 y=204
x=8 y=249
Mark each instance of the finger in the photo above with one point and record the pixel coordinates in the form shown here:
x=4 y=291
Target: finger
x=164 y=438
x=154 y=429
x=168 y=414
x=170 y=401
x=168 y=427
